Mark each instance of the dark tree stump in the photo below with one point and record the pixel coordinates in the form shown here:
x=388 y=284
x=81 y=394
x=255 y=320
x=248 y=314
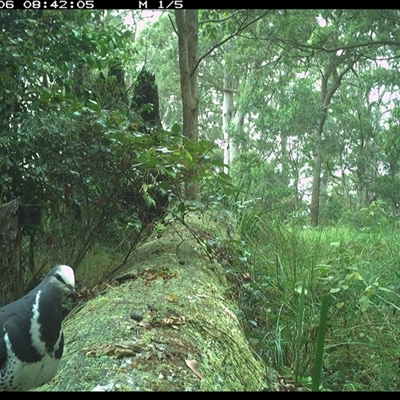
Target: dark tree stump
x=10 y=240
x=146 y=95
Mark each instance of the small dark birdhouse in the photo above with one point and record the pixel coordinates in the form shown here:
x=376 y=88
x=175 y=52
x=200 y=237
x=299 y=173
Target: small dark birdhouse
x=30 y=214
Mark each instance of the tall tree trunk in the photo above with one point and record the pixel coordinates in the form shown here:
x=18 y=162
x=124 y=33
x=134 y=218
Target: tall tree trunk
x=346 y=192
x=366 y=165
x=239 y=124
x=318 y=157
x=10 y=241
x=187 y=23
x=228 y=114
x=326 y=97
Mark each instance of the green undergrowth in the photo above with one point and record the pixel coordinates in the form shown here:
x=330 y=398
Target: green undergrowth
x=289 y=269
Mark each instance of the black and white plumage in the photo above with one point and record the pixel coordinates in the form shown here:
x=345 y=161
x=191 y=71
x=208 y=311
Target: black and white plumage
x=31 y=338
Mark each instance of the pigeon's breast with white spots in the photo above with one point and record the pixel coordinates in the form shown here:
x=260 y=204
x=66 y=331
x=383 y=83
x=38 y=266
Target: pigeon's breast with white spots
x=20 y=375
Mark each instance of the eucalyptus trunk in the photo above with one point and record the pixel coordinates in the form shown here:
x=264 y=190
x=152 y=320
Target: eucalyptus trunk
x=328 y=89
x=228 y=114
x=187 y=23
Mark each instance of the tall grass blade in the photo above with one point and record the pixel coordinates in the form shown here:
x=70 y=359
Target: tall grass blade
x=300 y=318
x=319 y=351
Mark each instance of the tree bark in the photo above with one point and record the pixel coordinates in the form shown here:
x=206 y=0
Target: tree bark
x=316 y=181
x=228 y=114
x=187 y=23
x=326 y=97
x=10 y=240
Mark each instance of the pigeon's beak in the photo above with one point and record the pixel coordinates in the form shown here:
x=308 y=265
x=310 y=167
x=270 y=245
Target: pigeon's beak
x=72 y=292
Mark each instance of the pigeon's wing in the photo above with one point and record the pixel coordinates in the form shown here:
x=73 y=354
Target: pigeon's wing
x=3 y=353
x=3 y=349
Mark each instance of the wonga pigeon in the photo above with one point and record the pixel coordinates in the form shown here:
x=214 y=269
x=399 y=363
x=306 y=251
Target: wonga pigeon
x=31 y=339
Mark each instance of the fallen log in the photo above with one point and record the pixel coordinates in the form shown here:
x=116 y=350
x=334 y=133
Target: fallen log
x=166 y=322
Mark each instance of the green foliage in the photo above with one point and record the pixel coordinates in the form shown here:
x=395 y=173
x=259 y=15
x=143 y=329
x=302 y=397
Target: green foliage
x=292 y=270
x=264 y=185
x=54 y=145
x=103 y=176
x=375 y=217
x=333 y=207
x=59 y=50
x=72 y=141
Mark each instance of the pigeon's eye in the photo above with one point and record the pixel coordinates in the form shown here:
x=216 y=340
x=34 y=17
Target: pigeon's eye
x=58 y=276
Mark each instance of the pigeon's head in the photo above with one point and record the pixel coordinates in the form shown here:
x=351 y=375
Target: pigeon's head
x=62 y=276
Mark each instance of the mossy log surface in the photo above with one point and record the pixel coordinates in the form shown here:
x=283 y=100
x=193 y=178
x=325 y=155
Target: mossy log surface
x=168 y=309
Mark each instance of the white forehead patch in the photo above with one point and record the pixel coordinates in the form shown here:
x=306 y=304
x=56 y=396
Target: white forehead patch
x=67 y=274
